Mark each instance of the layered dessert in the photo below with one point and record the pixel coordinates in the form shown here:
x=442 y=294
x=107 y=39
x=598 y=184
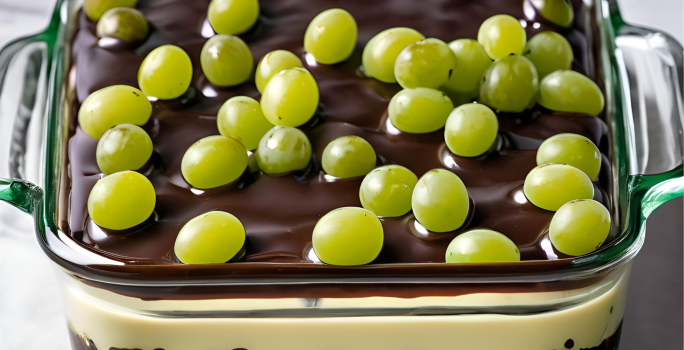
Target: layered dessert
x=328 y=140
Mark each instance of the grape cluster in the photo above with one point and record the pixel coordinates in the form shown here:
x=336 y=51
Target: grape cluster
x=459 y=87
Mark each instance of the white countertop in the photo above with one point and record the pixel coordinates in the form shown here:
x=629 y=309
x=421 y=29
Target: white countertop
x=30 y=305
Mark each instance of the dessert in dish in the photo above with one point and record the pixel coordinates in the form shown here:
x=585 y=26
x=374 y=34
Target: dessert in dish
x=393 y=133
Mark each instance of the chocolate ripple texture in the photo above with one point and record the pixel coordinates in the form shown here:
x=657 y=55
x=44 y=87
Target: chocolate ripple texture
x=279 y=213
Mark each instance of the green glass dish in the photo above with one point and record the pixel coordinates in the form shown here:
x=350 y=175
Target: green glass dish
x=646 y=147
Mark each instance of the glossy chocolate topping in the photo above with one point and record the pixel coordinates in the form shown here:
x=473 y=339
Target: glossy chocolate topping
x=279 y=213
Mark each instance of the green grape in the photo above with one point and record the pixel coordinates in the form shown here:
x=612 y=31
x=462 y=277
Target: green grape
x=348 y=156
x=387 y=190
x=552 y=185
x=290 y=97
x=94 y=9
x=549 y=51
x=427 y=63
x=214 y=161
x=482 y=246
x=241 y=118
x=211 y=238
x=502 y=36
x=123 y=147
x=471 y=130
x=226 y=60
x=419 y=110
x=510 y=84
x=121 y=200
x=331 y=36
x=272 y=63
x=348 y=237
x=559 y=12
x=579 y=227
x=571 y=149
x=471 y=63
x=123 y=23
x=165 y=73
x=382 y=50
x=283 y=150
x=232 y=17
x=440 y=201
x=111 y=106
x=569 y=91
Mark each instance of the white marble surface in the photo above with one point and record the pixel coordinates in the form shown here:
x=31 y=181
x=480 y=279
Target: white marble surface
x=30 y=306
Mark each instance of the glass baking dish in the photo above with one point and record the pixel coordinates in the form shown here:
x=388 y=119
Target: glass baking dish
x=563 y=304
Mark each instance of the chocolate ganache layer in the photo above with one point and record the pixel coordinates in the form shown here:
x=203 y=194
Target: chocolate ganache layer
x=279 y=213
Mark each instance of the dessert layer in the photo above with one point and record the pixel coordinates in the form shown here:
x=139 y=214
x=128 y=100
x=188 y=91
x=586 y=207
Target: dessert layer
x=279 y=213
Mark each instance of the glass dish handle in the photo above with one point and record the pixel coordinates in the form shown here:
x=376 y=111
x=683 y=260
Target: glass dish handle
x=650 y=68
x=23 y=94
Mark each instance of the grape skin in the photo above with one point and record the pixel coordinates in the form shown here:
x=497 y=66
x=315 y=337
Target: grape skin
x=94 y=9
x=348 y=156
x=502 y=36
x=348 y=237
x=549 y=51
x=419 y=110
x=559 y=12
x=510 y=84
x=111 y=106
x=440 y=201
x=123 y=23
x=471 y=63
x=211 y=238
x=482 y=246
x=381 y=52
x=282 y=150
x=471 y=130
x=123 y=147
x=579 y=227
x=571 y=149
x=427 y=63
x=331 y=36
x=290 y=97
x=387 y=190
x=552 y=185
x=569 y=91
x=226 y=60
x=214 y=161
x=272 y=63
x=232 y=17
x=241 y=118
x=121 y=200
x=165 y=73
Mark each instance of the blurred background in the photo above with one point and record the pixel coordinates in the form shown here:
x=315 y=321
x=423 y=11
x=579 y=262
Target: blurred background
x=30 y=305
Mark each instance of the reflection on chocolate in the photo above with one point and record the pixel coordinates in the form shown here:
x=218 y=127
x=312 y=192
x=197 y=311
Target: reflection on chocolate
x=279 y=213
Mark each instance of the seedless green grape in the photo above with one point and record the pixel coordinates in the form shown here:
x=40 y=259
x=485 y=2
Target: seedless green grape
x=571 y=149
x=419 y=110
x=510 y=84
x=121 y=200
x=94 y=9
x=552 y=185
x=165 y=73
x=471 y=63
x=549 y=51
x=348 y=156
x=471 y=130
x=331 y=36
x=124 y=23
x=569 y=91
x=382 y=50
x=502 y=36
x=241 y=118
x=427 y=63
x=440 y=201
x=290 y=97
x=211 y=238
x=214 y=161
x=348 y=237
x=579 y=227
x=233 y=17
x=283 y=150
x=272 y=63
x=482 y=246
x=111 y=106
x=123 y=147
x=387 y=190
x=226 y=60
x=559 y=12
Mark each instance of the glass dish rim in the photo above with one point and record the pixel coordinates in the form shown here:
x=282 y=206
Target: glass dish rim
x=638 y=196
